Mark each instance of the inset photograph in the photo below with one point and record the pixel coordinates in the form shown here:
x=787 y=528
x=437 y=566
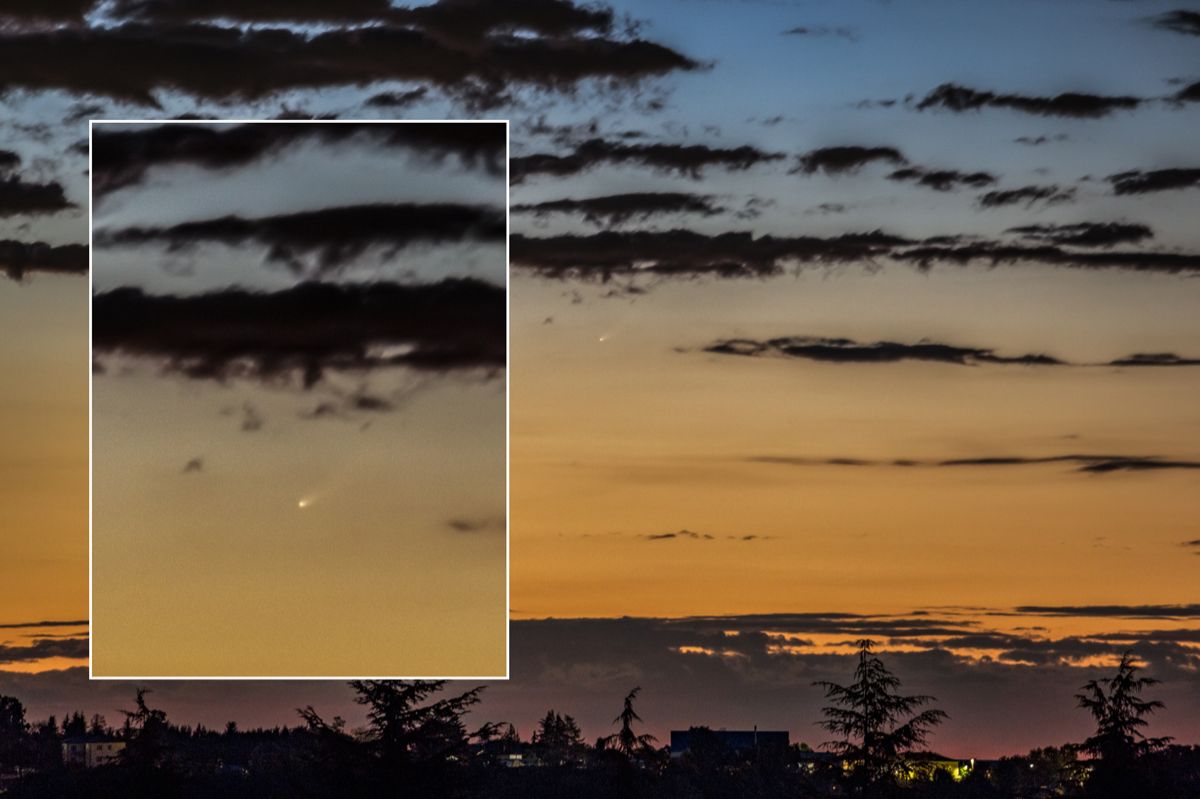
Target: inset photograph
x=299 y=399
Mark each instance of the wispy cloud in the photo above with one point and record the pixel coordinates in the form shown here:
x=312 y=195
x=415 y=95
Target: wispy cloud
x=1027 y=195
x=478 y=524
x=1180 y=21
x=1083 y=462
x=1138 y=182
x=943 y=179
x=957 y=98
x=685 y=534
x=845 y=159
x=1155 y=359
x=846 y=32
x=688 y=160
x=843 y=350
x=1086 y=234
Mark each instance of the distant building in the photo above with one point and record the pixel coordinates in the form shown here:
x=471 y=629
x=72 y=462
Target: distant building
x=924 y=765
x=811 y=759
x=512 y=754
x=513 y=760
x=742 y=742
x=89 y=751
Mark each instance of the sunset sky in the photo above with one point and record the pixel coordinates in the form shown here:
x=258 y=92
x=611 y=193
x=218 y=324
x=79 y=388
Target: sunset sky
x=828 y=320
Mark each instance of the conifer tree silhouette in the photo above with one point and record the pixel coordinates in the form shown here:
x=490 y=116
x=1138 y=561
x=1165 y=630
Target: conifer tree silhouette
x=875 y=724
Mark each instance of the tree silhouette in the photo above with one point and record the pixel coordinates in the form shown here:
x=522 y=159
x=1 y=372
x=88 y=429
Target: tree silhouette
x=1119 y=744
x=146 y=734
x=557 y=739
x=74 y=725
x=12 y=731
x=336 y=760
x=410 y=740
x=509 y=736
x=98 y=725
x=45 y=745
x=876 y=725
x=405 y=728
x=625 y=740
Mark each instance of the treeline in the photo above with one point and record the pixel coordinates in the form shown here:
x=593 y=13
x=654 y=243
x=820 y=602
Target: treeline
x=417 y=742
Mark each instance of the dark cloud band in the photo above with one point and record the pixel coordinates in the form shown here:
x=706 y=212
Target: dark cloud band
x=43 y=11
x=21 y=198
x=1113 y=611
x=615 y=209
x=453 y=18
x=308 y=329
x=995 y=254
x=684 y=253
x=132 y=62
x=43 y=648
x=690 y=160
x=23 y=625
x=122 y=157
x=333 y=236
x=18 y=258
